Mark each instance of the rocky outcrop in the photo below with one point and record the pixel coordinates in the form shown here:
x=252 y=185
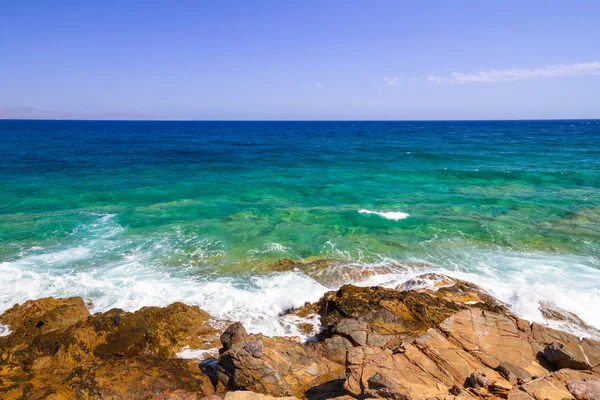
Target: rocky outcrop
x=432 y=338
x=276 y=366
x=56 y=349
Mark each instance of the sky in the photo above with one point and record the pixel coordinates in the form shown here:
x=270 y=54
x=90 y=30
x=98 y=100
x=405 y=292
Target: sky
x=340 y=60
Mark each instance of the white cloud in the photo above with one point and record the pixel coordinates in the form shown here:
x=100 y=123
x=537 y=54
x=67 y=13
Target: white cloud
x=319 y=85
x=515 y=74
x=395 y=81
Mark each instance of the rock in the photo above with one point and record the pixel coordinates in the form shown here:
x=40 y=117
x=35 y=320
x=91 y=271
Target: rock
x=276 y=366
x=332 y=272
x=476 y=380
x=513 y=373
x=375 y=316
x=454 y=290
x=570 y=355
x=247 y=395
x=233 y=334
x=37 y=317
x=547 y=388
x=585 y=389
x=113 y=354
x=567 y=319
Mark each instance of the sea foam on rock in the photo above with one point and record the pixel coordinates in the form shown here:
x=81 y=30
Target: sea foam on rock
x=414 y=342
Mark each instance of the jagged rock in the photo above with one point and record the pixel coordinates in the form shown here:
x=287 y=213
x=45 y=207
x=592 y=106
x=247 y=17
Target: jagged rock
x=37 y=317
x=375 y=372
x=567 y=318
x=570 y=355
x=376 y=316
x=476 y=380
x=114 y=354
x=585 y=389
x=233 y=334
x=454 y=290
x=276 y=366
x=450 y=342
x=332 y=272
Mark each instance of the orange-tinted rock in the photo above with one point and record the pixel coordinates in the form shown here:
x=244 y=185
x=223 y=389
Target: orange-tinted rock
x=276 y=366
x=111 y=355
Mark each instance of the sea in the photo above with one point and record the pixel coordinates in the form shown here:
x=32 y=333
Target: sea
x=146 y=213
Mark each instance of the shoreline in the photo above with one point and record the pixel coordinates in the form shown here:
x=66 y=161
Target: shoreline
x=434 y=337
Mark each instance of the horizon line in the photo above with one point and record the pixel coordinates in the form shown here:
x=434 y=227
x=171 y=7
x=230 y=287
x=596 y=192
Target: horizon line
x=299 y=120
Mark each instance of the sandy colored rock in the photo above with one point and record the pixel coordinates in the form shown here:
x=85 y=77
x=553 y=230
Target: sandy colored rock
x=276 y=366
x=493 y=338
x=569 y=355
x=247 y=395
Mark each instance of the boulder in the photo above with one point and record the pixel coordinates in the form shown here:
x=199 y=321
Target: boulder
x=513 y=373
x=276 y=366
x=570 y=355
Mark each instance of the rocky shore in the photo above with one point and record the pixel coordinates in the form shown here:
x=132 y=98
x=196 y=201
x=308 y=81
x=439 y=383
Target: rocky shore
x=434 y=337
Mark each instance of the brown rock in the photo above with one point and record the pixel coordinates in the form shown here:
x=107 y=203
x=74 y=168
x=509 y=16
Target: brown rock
x=247 y=395
x=547 y=388
x=233 y=334
x=110 y=355
x=376 y=316
x=513 y=373
x=570 y=355
x=332 y=272
x=37 y=317
x=276 y=366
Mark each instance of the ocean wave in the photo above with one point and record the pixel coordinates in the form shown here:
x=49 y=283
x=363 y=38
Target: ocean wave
x=393 y=215
x=132 y=279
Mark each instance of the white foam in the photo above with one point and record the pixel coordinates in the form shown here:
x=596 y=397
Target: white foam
x=4 y=330
x=393 y=215
x=133 y=279
x=196 y=354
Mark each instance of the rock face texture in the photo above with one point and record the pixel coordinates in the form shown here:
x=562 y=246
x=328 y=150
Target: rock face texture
x=432 y=338
x=58 y=351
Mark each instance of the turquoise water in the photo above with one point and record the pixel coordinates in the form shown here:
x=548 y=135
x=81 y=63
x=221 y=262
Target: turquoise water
x=137 y=213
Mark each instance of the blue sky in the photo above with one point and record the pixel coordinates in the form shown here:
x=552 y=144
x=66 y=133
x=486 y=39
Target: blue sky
x=303 y=60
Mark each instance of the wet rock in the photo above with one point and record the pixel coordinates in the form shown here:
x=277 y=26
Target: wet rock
x=570 y=355
x=585 y=389
x=332 y=272
x=454 y=290
x=567 y=319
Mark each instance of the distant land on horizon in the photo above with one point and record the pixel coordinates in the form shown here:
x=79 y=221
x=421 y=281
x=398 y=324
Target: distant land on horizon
x=31 y=113
x=22 y=112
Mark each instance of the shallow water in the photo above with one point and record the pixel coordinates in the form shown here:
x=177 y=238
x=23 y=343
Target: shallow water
x=129 y=214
